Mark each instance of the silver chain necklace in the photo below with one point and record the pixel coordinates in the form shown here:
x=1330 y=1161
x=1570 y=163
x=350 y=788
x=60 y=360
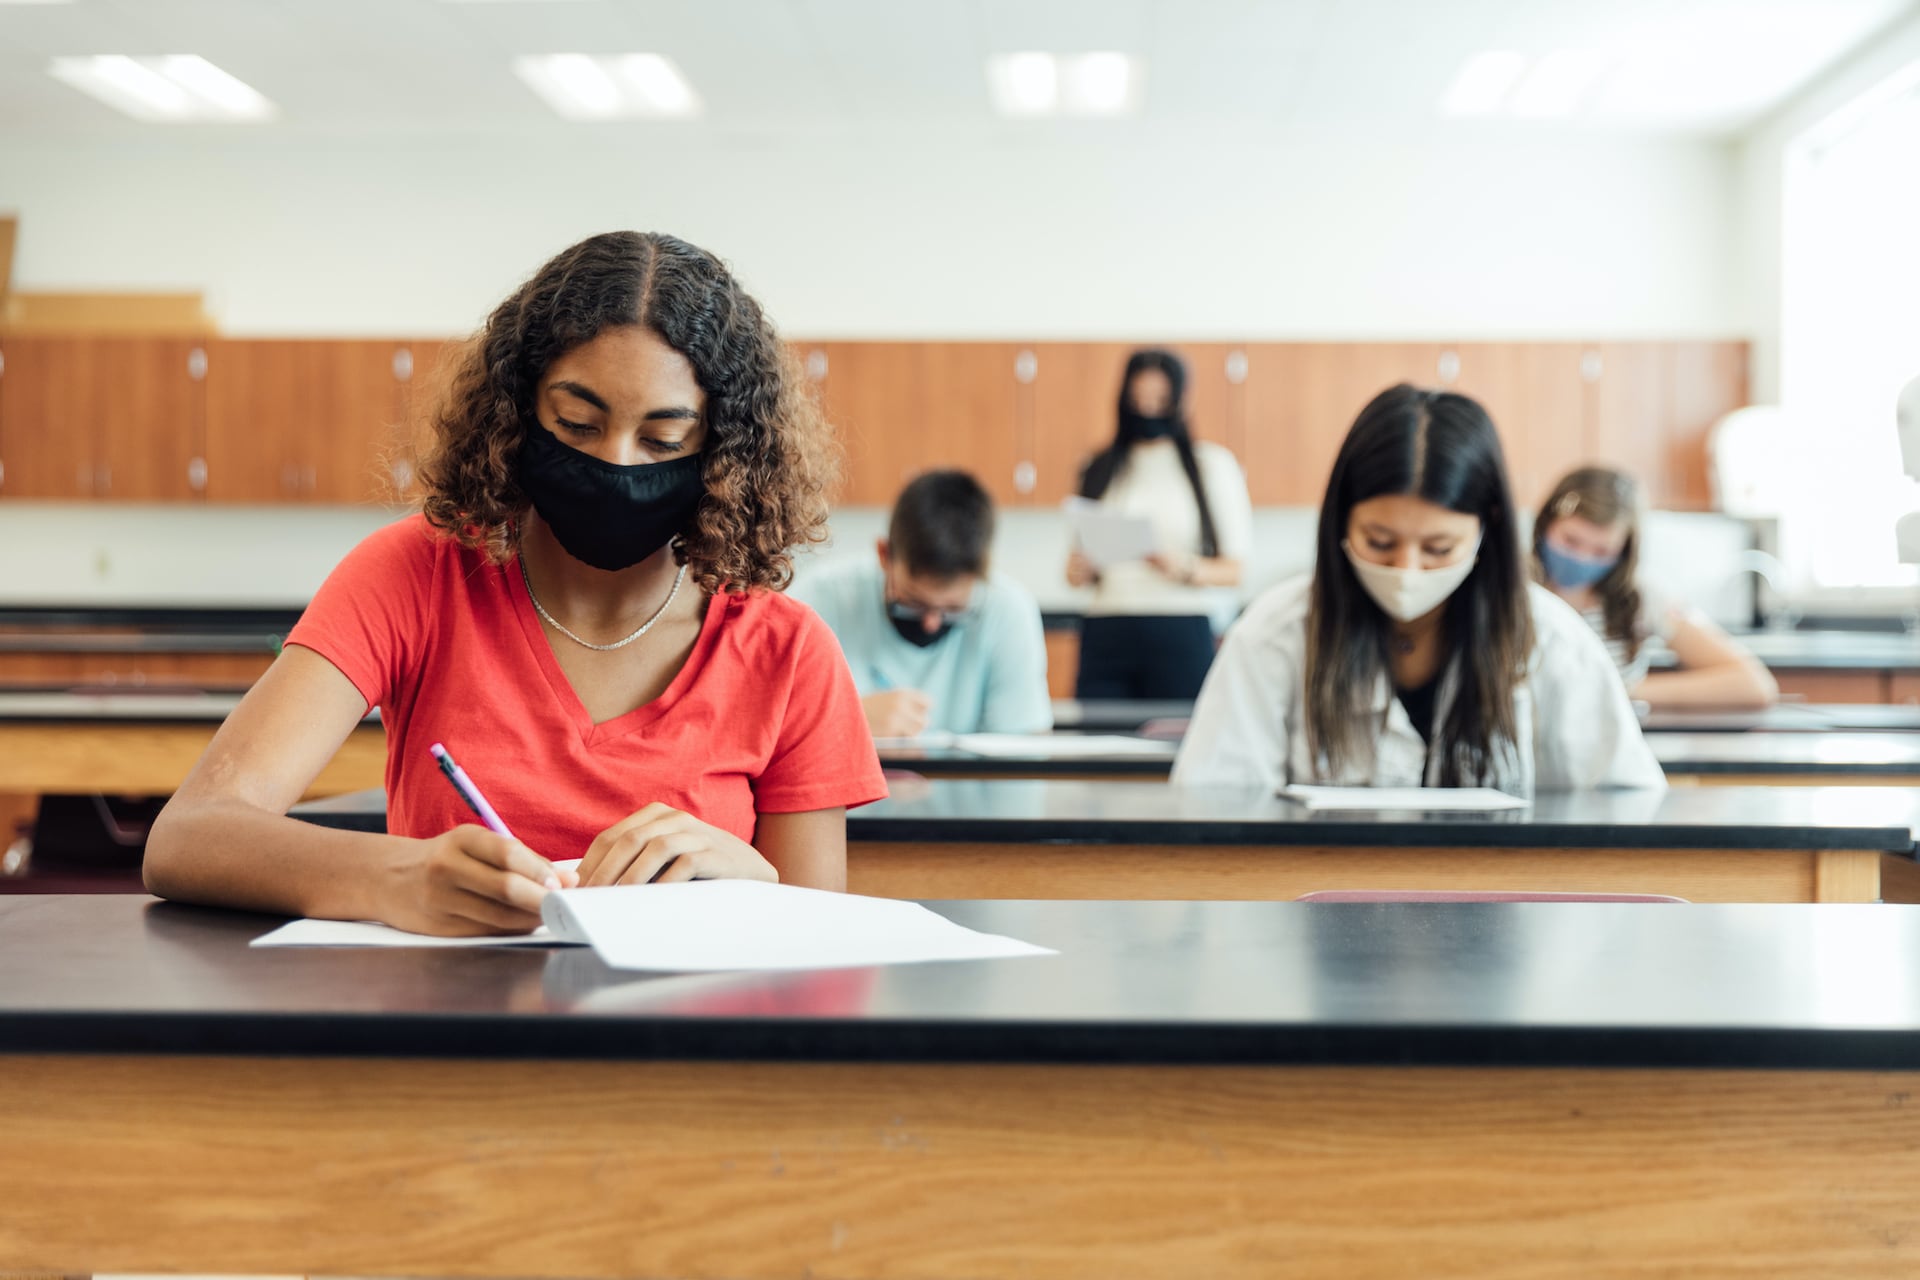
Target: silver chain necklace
x=645 y=627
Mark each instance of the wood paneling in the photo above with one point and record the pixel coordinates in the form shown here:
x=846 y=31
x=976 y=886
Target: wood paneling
x=1302 y=398
x=303 y=421
x=871 y=392
x=1654 y=404
x=1836 y=686
x=151 y=759
x=1262 y=873
x=1063 y=662
x=430 y=368
x=940 y=1171
x=199 y=670
x=112 y=418
x=974 y=413
x=1538 y=401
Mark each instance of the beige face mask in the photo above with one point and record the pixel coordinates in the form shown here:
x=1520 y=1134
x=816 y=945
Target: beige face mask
x=1406 y=594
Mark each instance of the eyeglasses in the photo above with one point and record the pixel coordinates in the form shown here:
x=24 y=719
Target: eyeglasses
x=906 y=611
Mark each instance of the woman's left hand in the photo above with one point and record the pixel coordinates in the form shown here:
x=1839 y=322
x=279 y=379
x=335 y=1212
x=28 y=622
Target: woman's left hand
x=1180 y=568
x=660 y=844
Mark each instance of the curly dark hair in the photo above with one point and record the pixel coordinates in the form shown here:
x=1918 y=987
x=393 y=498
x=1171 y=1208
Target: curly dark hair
x=770 y=457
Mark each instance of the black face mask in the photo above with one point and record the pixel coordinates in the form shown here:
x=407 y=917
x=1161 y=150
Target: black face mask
x=914 y=630
x=1141 y=427
x=609 y=516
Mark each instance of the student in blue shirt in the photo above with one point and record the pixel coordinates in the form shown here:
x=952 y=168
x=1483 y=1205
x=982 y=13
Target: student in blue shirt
x=935 y=643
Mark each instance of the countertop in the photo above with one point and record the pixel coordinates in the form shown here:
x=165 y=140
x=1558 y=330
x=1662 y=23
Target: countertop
x=1883 y=819
x=1782 y=987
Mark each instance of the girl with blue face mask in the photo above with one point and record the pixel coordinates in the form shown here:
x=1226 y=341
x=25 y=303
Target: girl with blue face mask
x=1415 y=653
x=1586 y=550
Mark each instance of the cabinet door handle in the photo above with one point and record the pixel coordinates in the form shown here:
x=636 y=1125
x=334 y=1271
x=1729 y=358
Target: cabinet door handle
x=197 y=363
x=196 y=474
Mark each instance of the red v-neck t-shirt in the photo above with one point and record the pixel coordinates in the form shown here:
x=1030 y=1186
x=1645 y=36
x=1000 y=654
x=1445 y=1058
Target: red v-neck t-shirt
x=763 y=718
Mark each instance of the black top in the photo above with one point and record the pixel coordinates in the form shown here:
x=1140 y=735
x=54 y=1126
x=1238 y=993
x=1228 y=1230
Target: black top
x=1812 y=987
x=1026 y=811
x=1418 y=704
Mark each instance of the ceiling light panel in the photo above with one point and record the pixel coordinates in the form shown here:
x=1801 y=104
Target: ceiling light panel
x=1033 y=84
x=180 y=88
x=627 y=86
x=1560 y=83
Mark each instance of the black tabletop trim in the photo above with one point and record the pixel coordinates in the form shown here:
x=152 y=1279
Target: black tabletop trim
x=520 y=1037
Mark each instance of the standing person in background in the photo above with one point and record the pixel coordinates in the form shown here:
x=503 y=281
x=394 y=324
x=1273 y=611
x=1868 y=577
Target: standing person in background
x=1149 y=631
x=1586 y=549
x=935 y=642
x=1416 y=653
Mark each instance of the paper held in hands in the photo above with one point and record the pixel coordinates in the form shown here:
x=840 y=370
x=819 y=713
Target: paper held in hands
x=706 y=925
x=1108 y=538
x=1417 y=799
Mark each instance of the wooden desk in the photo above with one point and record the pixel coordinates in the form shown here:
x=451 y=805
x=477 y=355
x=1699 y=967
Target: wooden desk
x=1053 y=840
x=141 y=743
x=1219 y=1089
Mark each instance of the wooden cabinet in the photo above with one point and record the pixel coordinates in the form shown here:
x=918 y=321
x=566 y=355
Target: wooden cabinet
x=427 y=371
x=1301 y=400
x=1653 y=404
x=102 y=418
x=305 y=421
x=902 y=408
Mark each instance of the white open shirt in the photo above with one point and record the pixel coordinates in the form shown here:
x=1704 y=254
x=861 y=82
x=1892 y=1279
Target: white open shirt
x=1575 y=727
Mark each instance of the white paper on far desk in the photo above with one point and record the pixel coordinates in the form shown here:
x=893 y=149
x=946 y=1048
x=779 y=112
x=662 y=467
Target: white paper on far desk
x=1041 y=746
x=1108 y=538
x=707 y=925
x=1427 y=799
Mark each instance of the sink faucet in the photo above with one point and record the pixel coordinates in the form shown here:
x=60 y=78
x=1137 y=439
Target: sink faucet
x=1773 y=605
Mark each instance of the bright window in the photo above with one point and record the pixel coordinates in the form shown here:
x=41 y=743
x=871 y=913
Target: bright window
x=1851 y=337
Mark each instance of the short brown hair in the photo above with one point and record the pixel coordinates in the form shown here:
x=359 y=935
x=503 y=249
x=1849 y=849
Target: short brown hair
x=942 y=526
x=770 y=458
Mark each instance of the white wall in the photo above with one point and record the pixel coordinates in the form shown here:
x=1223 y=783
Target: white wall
x=1759 y=175
x=1484 y=232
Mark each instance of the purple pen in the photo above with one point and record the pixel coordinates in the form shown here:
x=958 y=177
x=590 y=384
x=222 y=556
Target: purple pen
x=468 y=792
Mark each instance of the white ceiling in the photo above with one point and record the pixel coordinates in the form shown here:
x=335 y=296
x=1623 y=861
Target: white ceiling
x=360 y=67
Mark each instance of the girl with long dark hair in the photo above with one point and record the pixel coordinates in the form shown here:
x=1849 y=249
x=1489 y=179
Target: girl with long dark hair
x=1149 y=631
x=1586 y=550
x=1417 y=653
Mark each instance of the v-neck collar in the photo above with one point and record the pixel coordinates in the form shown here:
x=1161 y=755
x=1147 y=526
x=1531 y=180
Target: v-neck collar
x=591 y=734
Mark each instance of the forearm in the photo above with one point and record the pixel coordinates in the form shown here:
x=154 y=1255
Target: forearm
x=232 y=854
x=1216 y=571
x=1737 y=686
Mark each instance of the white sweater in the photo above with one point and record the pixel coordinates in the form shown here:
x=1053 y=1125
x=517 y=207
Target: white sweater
x=1152 y=483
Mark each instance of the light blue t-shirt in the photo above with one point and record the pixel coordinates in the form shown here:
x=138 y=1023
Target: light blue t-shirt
x=987 y=675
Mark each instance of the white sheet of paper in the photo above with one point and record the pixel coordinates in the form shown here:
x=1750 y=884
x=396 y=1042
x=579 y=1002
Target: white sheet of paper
x=1017 y=746
x=1425 y=799
x=708 y=926
x=712 y=925
x=931 y=738
x=367 y=933
x=1108 y=538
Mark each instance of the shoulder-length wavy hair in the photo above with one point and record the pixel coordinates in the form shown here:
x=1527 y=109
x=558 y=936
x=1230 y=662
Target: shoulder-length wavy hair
x=1105 y=466
x=770 y=458
x=1607 y=498
x=1440 y=447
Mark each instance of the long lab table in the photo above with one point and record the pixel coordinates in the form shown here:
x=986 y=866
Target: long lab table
x=1052 y=840
x=1191 y=1088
